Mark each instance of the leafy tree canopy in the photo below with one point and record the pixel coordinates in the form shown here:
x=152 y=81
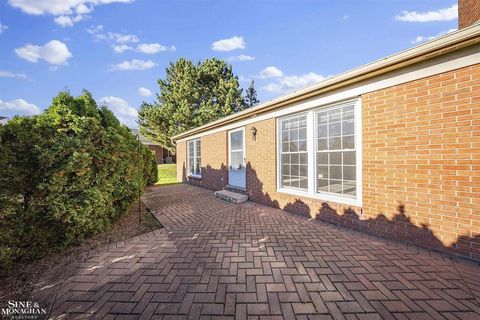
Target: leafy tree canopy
x=66 y=174
x=190 y=95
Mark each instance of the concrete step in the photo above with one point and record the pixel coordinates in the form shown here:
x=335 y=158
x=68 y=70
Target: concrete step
x=230 y=196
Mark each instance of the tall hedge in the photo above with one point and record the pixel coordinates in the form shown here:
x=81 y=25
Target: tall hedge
x=64 y=175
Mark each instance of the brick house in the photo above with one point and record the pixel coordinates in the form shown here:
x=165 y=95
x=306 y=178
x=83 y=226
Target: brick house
x=391 y=148
x=161 y=155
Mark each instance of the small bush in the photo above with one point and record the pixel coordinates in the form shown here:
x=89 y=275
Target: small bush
x=64 y=175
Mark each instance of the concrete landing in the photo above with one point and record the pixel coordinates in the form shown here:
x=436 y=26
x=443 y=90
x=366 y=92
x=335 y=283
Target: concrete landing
x=230 y=196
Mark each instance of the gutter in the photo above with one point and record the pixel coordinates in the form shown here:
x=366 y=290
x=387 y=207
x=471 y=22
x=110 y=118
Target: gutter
x=436 y=47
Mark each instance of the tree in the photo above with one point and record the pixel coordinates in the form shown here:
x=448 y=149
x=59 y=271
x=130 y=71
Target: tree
x=190 y=96
x=251 y=95
x=65 y=174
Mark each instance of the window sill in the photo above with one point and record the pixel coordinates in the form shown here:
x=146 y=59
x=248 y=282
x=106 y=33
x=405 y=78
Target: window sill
x=322 y=197
x=195 y=177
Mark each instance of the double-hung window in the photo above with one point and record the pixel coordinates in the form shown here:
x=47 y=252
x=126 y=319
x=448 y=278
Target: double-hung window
x=294 y=154
x=194 y=157
x=320 y=153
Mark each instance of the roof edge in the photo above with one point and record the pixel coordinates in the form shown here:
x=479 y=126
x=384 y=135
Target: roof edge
x=441 y=45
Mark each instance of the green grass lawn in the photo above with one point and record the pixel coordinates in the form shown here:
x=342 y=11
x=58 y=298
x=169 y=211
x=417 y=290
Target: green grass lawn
x=167 y=174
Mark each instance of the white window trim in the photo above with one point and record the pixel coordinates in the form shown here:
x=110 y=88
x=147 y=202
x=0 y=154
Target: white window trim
x=194 y=141
x=230 y=146
x=311 y=143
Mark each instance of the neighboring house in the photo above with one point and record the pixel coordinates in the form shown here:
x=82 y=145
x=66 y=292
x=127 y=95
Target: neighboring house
x=391 y=148
x=3 y=120
x=161 y=155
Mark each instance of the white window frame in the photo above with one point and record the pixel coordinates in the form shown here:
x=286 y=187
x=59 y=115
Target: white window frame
x=230 y=146
x=279 y=153
x=311 y=148
x=195 y=156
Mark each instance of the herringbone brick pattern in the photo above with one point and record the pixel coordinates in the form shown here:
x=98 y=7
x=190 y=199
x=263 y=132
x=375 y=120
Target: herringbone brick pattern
x=218 y=260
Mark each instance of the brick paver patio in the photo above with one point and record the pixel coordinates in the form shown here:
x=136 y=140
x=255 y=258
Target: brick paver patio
x=218 y=260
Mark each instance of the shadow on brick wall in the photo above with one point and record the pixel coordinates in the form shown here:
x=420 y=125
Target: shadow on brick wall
x=211 y=178
x=399 y=227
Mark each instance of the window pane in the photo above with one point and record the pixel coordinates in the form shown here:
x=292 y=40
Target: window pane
x=304 y=170
x=348 y=142
x=322 y=131
x=197 y=166
x=334 y=115
x=322 y=144
x=302 y=145
x=349 y=188
x=334 y=129
x=303 y=183
x=349 y=158
x=336 y=171
x=336 y=186
x=302 y=134
x=322 y=185
x=294 y=155
x=295 y=169
x=322 y=172
x=347 y=112
x=322 y=117
x=334 y=143
x=303 y=158
x=322 y=158
x=349 y=173
x=237 y=159
x=236 y=139
x=348 y=127
x=335 y=158
x=293 y=146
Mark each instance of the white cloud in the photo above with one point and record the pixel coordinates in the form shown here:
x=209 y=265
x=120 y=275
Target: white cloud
x=446 y=14
x=271 y=72
x=290 y=83
x=151 y=48
x=95 y=29
x=119 y=48
x=69 y=21
x=134 y=64
x=8 y=74
x=230 y=44
x=345 y=17
x=118 y=41
x=54 y=52
x=144 y=92
x=18 y=107
x=2 y=28
x=116 y=37
x=66 y=12
x=241 y=57
x=427 y=38
x=125 y=113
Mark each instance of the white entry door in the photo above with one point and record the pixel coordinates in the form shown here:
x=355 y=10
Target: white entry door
x=236 y=159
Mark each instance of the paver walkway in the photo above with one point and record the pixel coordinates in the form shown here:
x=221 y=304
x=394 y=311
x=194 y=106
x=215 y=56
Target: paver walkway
x=218 y=260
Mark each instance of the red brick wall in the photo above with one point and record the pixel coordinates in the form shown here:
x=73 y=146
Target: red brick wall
x=421 y=165
x=157 y=151
x=468 y=12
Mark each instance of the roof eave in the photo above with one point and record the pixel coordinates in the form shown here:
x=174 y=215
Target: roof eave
x=450 y=42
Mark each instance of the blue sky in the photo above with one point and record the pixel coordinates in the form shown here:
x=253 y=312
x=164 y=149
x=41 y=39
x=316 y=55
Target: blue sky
x=118 y=48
